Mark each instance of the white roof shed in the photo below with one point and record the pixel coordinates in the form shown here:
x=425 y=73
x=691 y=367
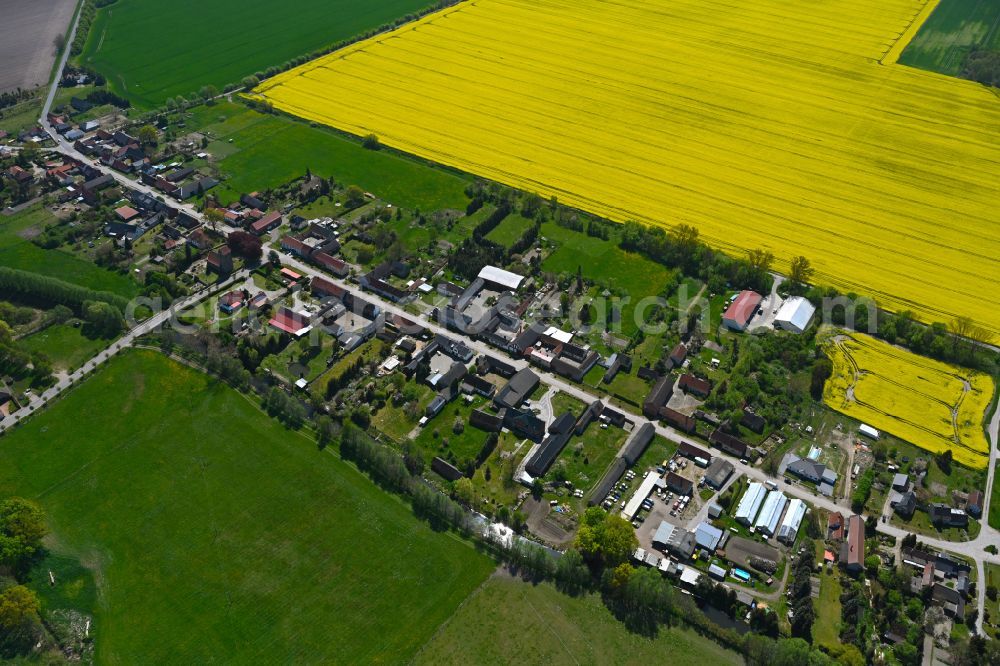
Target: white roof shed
x=501 y=277
x=795 y=314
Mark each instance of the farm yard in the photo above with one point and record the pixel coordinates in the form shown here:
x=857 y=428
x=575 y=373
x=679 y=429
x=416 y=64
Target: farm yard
x=149 y=55
x=212 y=531
x=953 y=28
x=928 y=403
x=816 y=149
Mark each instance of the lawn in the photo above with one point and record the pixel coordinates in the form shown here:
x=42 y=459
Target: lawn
x=507 y=617
x=564 y=402
x=302 y=358
x=993 y=578
x=659 y=449
x=920 y=523
x=588 y=456
x=826 y=628
x=951 y=31
x=17 y=251
x=64 y=344
x=510 y=229
x=149 y=55
x=267 y=151
x=605 y=263
x=438 y=437
x=213 y=532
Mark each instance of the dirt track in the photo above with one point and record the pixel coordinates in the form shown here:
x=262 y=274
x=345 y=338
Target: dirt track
x=28 y=29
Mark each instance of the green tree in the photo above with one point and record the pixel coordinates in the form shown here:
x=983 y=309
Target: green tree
x=800 y=271
x=22 y=526
x=20 y=624
x=147 y=135
x=760 y=259
x=464 y=492
x=106 y=320
x=354 y=196
x=371 y=142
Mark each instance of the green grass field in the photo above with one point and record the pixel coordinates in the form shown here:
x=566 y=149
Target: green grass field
x=65 y=345
x=214 y=534
x=510 y=229
x=506 y=620
x=151 y=50
x=605 y=263
x=955 y=26
x=17 y=251
x=267 y=151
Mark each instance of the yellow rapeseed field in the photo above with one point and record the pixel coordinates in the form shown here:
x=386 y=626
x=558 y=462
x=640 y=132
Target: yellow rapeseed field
x=781 y=124
x=928 y=403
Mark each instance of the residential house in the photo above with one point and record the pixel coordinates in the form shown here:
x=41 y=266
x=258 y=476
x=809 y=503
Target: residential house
x=943 y=515
x=696 y=385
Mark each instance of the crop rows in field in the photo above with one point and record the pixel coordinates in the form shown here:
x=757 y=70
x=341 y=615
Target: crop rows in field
x=931 y=404
x=765 y=124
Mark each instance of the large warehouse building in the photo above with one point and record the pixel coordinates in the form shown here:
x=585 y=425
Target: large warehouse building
x=793 y=519
x=747 y=510
x=770 y=515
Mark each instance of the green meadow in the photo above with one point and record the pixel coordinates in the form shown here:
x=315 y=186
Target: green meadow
x=151 y=50
x=214 y=534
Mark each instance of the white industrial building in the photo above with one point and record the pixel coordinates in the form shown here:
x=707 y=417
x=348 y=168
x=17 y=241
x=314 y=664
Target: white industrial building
x=770 y=515
x=501 y=278
x=793 y=519
x=869 y=431
x=750 y=504
x=651 y=481
x=795 y=314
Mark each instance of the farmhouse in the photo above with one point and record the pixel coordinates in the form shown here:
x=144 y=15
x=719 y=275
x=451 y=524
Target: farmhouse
x=795 y=314
x=288 y=321
x=742 y=310
x=974 y=505
x=852 y=551
x=678 y=420
x=691 y=451
x=517 y=389
x=943 y=515
x=728 y=443
x=559 y=434
x=678 y=484
x=691 y=384
x=637 y=443
x=231 y=302
x=904 y=503
x=323 y=288
x=658 y=397
x=524 y=424
x=718 y=473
